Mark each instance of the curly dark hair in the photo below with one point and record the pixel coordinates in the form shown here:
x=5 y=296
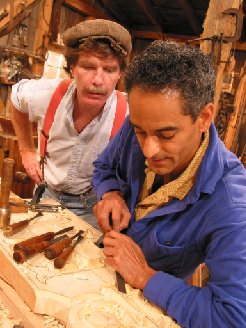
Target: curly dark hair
x=167 y=65
x=98 y=47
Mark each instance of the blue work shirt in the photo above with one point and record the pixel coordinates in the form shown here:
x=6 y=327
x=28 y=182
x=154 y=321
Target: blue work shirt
x=208 y=225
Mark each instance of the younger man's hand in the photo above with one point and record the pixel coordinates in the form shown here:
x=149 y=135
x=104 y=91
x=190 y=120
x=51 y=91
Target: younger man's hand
x=113 y=208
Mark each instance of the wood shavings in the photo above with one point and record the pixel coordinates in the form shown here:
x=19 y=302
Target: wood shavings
x=52 y=322
x=6 y=320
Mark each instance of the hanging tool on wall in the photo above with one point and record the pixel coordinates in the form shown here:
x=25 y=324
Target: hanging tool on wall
x=218 y=40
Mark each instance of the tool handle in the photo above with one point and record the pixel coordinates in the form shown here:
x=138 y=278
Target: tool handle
x=36 y=248
x=19 y=256
x=14 y=228
x=56 y=249
x=34 y=240
x=60 y=261
x=6 y=181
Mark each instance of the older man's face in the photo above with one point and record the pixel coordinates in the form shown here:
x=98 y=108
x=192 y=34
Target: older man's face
x=95 y=78
x=168 y=138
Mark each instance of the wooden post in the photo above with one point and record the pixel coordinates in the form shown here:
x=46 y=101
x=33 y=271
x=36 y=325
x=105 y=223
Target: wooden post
x=217 y=23
x=42 y=33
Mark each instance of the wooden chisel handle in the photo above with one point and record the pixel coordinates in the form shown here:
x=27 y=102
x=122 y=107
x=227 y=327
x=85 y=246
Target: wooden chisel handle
x=14 y=228
x=11 y=229
x=21 y=255
x=60 y=261
x=6 y=181
x=34 y=240
x=56 y=249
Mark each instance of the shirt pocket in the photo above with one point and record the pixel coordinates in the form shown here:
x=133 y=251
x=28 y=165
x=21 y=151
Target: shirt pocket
x=166 y=257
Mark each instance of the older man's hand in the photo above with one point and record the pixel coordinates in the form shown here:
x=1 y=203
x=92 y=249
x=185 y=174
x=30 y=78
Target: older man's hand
x=112 y=212
x=126 y=257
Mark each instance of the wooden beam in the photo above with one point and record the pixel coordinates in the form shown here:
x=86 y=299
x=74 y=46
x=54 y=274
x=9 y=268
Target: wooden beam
x=55 y=19
x=85 y=9
x=41 y=38
x=114 y=8
x=18 y=7
x=155 y=35
x=217 y=24
x=191 y=16
x=162 y=36
x=149 y=10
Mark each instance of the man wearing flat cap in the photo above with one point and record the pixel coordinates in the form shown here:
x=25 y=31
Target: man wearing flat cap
x=77 y=117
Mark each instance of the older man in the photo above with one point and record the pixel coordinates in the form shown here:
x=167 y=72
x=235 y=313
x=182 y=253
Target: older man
x=87 y=111
x=180 y=193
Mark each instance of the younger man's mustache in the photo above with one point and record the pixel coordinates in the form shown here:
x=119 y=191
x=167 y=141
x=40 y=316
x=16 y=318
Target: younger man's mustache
x=97 y=90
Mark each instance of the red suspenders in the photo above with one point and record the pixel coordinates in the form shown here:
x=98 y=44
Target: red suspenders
x=54 y=103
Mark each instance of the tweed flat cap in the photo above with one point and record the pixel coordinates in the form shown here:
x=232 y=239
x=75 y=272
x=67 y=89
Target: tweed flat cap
x=118 y=36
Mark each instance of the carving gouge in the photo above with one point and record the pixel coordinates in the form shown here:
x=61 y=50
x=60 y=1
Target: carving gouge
x=60 y=261
x=40 y=238
x=57 y=248
x=21 y=255
x=11 y=229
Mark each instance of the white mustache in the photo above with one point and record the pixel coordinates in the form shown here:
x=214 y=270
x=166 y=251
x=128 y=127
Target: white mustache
x=96 y=90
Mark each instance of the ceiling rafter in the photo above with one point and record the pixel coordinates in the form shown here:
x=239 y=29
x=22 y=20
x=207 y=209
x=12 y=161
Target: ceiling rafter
x=86 y=9
x=116 y=11
x=150 y=11
x=191 y=16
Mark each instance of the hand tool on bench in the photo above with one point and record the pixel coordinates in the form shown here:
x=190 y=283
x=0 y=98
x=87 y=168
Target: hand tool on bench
x=120 y=282
x=21 y=255
x=6 y=184
x=61 y=259
x=41 y=207
x=12 y=229
x=99 y=242
x=56 y=249
x=43 y=237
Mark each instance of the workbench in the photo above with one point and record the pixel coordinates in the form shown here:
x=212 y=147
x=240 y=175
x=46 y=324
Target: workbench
x=81 y=294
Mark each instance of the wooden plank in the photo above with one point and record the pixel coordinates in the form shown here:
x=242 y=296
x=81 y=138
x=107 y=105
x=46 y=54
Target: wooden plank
x=215 y=24
x=162 y=36
x=86 y=9
x=236 y=118
x=18 y=6
x=191 y=16
x=41 y=39
x=114 y=8
x=149 y=10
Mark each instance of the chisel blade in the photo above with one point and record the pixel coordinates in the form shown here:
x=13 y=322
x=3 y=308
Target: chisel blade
x=120 y=282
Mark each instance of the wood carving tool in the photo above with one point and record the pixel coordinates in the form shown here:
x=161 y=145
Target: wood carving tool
x=6 y=184
x=38 y=193
x=21 y=255
x=12 y=229
x=60 y=261
x=56 y=249
x=37 y=239
x=99 y=242
x=120 y=282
